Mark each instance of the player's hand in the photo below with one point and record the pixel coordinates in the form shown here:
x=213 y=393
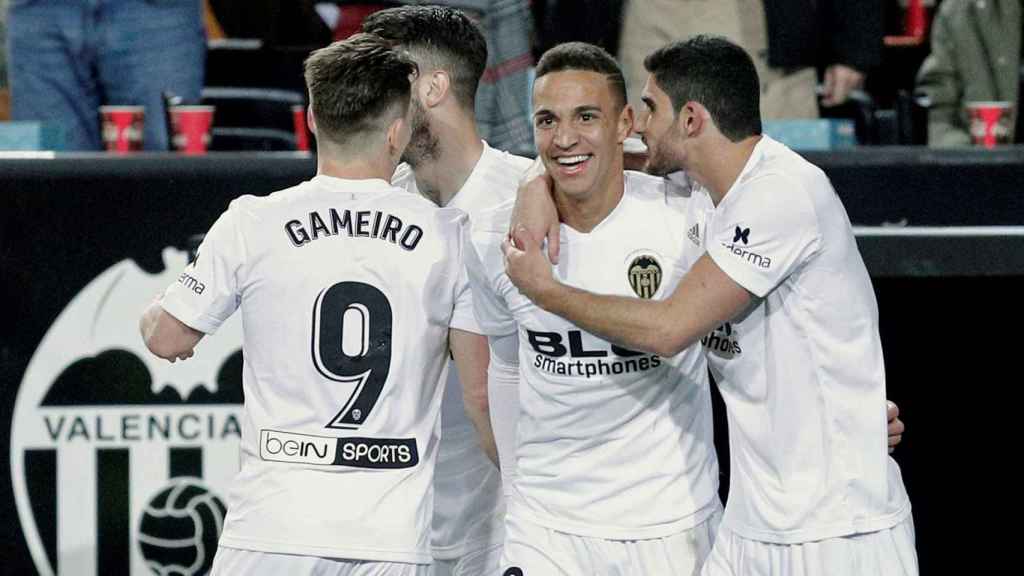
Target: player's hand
x=183 y=356
x=840 y=80
x=526 y=265
x=535 y=210
x=896 y=426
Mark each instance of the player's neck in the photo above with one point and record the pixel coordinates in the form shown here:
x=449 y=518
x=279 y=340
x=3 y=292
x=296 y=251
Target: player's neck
x=459 y=150
x=358 y=168
x=720 y=169
x=583 y=212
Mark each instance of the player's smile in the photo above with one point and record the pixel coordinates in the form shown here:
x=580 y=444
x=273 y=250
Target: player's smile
x=573 y=165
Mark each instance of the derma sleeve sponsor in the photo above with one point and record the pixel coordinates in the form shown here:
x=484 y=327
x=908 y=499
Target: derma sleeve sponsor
x=206 y=292
x=762 y=231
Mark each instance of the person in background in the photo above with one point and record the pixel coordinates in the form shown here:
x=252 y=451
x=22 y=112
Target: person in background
x=69 y=57
x=503 y=99
x=976 y=56
x=788 y=39
x=276 y=23
x=5 y=94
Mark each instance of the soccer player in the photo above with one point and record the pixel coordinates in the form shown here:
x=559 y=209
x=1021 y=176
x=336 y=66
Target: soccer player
x=448 y=163
x=783 y=285
x=352 y=292
x=616 y=471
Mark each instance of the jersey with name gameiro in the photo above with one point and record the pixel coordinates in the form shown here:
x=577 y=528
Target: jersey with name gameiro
x=468 y=506
x=801 y=370
x=347 y=290
x=611 y=443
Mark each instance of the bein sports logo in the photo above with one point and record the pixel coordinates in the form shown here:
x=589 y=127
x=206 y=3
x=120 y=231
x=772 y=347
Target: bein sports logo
x=101 y=427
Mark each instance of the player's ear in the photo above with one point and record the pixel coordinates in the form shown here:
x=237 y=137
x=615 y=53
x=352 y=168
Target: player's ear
x=310 y=120
x=434 y=88
x=627 y=118
x=398 y=136
x=693 y=118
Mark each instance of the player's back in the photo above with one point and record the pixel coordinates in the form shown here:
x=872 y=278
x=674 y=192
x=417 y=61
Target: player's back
x=347 y=288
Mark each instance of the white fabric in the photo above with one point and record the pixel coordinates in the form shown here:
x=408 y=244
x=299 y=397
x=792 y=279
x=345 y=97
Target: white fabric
x=888 y=552
x=233 y=562
x=317 y=349
x=610 y=443
x=534 y=549
x=479 y=562
x=801 y=370
x=503 y=397
x=468 y=507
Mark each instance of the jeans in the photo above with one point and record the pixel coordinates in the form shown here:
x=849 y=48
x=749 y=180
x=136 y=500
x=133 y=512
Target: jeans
x=68 y=57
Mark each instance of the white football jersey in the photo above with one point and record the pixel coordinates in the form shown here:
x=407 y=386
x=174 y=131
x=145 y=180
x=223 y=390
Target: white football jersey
x=611 y=443
x=347 y=290
x=468 y=505
x=801 y=370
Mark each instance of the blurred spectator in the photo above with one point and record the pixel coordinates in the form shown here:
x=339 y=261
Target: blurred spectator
x=595 y=21
x=5 y=95
x=503 y=99
x=788 y=39
x=68 y=57
x=275 y=22
x=976 y=56
x=214 y=31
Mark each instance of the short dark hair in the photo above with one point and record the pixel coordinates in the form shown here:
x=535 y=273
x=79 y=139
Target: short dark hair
x=441 y=37
x=357 y=85
x=585 y=57
x=716 y=73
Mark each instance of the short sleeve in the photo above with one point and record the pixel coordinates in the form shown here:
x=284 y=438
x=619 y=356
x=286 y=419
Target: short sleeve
x=484 y=264
x=207 y=292
x=768 y=230
x=463 y=316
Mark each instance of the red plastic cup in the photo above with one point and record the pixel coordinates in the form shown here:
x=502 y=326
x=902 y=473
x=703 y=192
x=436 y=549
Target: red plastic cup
x=191 y=127
x=915 y=20
x=991 y=123
x=122 y=128
x=301 y=131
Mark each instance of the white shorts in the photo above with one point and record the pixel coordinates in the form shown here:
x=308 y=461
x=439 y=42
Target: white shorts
x=482 y=562
x=232 y=562
x=887 y=552
x=533 y=550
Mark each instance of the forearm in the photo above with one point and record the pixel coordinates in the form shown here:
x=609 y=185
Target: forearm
x=166 y=336
x=704 y=298
x=643 y=325
x=479 y=414
x=471 y=356
x=503 y=399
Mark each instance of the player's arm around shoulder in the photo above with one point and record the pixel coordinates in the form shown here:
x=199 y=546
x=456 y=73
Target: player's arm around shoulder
x=705 y=297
